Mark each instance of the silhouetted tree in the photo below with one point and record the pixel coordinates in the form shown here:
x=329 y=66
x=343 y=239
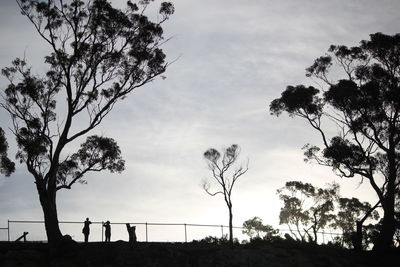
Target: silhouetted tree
x=224 y=174
x=6 y=165
x=351 y=215
x=365 y=106
x=307 y=208
x=254 y=228
x=99 y=55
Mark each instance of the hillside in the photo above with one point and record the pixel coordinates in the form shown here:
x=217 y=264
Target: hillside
x=121 y=254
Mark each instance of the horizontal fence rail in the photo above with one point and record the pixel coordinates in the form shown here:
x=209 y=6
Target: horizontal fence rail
x=15 y=228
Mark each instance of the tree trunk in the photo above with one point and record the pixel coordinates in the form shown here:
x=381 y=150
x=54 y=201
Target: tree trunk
x=357 y=238
x=230 y=225
x=385 y=238
x=315 y=231
x=48 y=202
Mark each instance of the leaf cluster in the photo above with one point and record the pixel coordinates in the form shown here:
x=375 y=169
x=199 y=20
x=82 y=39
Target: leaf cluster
x=6 y=165
x=96 y=154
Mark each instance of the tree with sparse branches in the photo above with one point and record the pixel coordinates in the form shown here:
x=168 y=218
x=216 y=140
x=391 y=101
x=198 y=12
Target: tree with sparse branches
x=224 y=174
x=98 y=56
x=364 y=105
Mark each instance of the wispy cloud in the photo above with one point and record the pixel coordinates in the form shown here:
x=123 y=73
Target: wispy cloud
x=235 y=56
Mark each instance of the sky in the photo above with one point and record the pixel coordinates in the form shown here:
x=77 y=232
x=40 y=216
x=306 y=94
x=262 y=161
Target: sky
x=231 y=58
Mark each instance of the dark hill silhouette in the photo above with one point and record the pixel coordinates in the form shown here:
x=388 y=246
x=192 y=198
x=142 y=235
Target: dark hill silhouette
x=120 y=254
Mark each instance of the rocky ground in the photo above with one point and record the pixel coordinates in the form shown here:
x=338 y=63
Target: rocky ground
x=121 y=254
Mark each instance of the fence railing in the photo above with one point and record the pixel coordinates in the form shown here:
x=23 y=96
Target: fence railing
x=3 y=229
x=161 y=232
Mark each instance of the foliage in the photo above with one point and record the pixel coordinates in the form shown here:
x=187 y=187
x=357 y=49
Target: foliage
x=307 y=208
x=397 y=218
x=371 y=234
x=224 y=175
x=351 y=211
x=254 y=228
x=364 y=105
x=96 y=154
x=98 y=56
x=6 y=165
x=216 y=240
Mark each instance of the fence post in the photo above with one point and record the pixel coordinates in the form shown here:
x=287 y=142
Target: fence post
x=323 y=237
x=185 y=234
x=102 y=239
x=222 y=230
x=8 y=230
x=147 y=240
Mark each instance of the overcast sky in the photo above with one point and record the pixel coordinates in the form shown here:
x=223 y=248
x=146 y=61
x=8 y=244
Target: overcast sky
x=234 y=58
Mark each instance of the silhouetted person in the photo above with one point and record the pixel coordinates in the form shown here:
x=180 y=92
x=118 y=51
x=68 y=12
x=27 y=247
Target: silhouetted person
x=132 y=233
x=107 y=227
x=86 y=229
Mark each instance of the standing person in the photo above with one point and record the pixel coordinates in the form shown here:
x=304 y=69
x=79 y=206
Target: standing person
x=107 y=227
x=86 y=229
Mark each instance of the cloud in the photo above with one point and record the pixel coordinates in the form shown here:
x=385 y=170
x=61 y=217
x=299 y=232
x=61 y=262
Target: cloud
x=234 y=57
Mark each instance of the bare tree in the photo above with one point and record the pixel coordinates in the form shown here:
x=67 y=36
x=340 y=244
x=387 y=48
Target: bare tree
x=224 y=173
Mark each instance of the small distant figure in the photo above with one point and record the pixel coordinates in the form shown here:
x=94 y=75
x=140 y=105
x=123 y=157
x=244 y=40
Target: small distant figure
x=132 y=233
x=86 y=229
x=107 y=227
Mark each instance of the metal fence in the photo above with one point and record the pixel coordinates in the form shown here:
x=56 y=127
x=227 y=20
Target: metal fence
x=146 y=232
x=4 y=230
